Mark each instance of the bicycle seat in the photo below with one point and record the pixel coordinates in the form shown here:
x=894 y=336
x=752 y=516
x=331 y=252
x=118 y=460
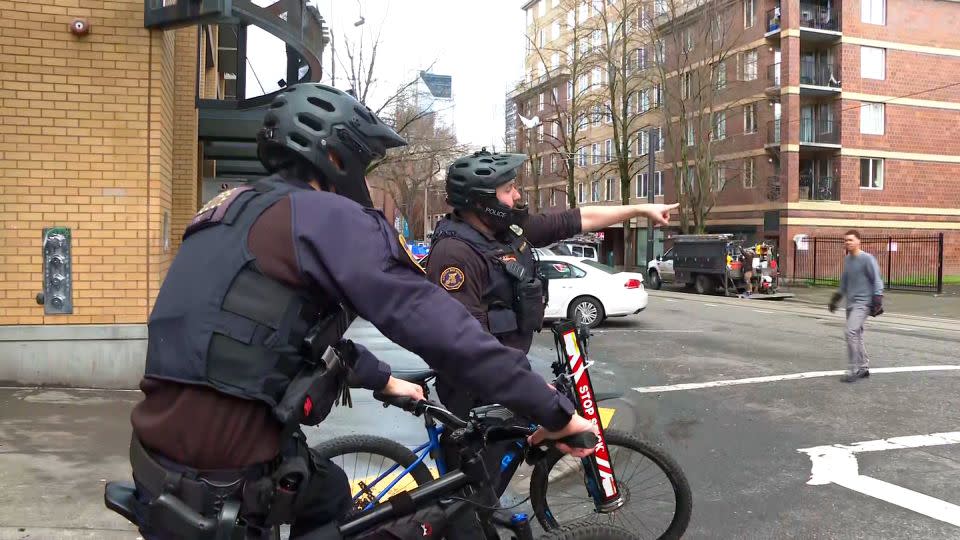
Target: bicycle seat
x=418 y=376
x=121 y=497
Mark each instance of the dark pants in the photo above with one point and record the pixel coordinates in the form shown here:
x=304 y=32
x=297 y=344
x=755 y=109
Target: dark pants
x=324 y=499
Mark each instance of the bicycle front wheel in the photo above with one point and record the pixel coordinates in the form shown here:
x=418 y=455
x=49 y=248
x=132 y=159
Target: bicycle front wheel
x=656 y=495
x=371 y=464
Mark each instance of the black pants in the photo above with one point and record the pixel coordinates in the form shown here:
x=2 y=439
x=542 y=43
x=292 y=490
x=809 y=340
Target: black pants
x=324 y=499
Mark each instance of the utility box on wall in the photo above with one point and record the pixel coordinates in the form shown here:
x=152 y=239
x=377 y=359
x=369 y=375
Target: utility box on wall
x=57 y=295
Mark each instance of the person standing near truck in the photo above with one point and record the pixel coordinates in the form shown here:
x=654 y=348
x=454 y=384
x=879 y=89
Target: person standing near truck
x=861 y=285
x=748 y=257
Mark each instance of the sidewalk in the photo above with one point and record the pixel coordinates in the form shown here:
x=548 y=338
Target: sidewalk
x=946 y=305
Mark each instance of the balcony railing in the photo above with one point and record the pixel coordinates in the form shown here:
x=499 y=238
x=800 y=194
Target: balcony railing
x=773 y=19
x=825 y=188
x=773 y=74
x=773 y=132
x=817 y=131
x=818 y=16
x=819 y=73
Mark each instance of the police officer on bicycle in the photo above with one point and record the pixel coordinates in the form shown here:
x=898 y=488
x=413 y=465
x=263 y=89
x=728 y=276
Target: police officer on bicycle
x=482 y=253
x=246 y=335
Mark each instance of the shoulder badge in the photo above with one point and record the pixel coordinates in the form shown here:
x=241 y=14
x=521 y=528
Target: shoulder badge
x=406 y=249
x=452 y=278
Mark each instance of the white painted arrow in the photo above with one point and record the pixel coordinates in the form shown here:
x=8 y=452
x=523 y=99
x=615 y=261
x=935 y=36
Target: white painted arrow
x=837 y=464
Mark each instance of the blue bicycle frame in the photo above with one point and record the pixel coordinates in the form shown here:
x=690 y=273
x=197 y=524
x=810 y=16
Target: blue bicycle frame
x=429 y=448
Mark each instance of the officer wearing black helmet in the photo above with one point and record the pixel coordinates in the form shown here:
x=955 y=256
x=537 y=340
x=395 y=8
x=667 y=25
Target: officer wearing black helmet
x=246 y=336
x=482 y=253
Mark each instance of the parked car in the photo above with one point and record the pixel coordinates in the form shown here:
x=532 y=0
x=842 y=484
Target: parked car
x=586 y=291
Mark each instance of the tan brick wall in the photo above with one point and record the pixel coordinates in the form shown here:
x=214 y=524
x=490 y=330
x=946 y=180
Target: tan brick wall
x=185 y=167
x=86 y=131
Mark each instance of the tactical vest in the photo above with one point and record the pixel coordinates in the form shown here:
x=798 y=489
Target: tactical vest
x=515 y=292
x=220 y=323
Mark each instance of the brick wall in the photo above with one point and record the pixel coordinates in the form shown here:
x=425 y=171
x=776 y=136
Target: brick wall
x=86 y=131
x=938 y=20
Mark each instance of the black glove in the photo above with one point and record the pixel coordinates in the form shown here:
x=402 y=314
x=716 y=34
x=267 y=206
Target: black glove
x=834 y=302
x=876 y=308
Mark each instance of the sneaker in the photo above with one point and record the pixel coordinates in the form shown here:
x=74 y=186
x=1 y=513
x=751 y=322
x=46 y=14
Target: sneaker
x=853 y=376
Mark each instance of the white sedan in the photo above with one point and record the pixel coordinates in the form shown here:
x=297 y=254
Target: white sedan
x=586 y=291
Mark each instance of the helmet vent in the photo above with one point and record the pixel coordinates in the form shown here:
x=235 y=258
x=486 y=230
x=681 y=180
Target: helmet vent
x=486 y=160
x=322 y=103
x=462 y=165
x=300 y=140
x=483 y=172
x=310 y=121
x=363 y=114
x=277 y=104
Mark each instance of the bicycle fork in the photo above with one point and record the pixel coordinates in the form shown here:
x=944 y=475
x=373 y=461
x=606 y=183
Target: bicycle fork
x=600 y=478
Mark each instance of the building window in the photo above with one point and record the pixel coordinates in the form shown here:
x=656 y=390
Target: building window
x=690 y=179
x=595 y=190
x=658 y=140
x=542 y=9
x=719 y=126
x=720 y=76
x=641 y=59
x=690 y=134
x=686 y=81
x=595 y=152
x=580 y=192
x=873 y=11
x=642 y=185
x=749 y=13
x=871 y=173
x=657 y=94
x=644 y=101
x=553 y=130
x=661 y=51
x=749 y=173
x=553 y=197
x=611 y=189
x=582 y=156
x=750 y=118
x=555 y=30
x=542 y=99
x=748 y=68
x=719 y=178
x=607 y=150
x=873 y=63
x=554 y=162
x=871 y=119
x=688 y=44
x=642 y=143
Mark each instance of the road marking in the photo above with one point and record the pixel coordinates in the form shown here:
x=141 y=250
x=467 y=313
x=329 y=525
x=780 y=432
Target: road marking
x=837 y=464
x=763 y=311
x=669 y=300
x=711 y=305
x=788 y=377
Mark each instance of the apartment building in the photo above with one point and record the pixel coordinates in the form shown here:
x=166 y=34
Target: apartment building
x=826 y=115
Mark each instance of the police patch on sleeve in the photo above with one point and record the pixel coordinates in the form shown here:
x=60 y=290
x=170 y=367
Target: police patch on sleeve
x=410 y=258
x=452 y=278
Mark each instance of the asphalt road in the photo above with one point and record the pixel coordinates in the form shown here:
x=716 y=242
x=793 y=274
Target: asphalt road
x=738 y=443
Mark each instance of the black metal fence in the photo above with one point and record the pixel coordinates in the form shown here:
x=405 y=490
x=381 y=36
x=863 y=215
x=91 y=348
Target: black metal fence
x=907 y=263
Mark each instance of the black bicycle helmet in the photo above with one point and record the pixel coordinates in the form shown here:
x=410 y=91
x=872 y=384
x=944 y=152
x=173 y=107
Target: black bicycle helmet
x=316 y=121
x=472 y=183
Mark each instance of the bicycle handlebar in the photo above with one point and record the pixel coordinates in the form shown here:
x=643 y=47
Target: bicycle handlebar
x=585 y=439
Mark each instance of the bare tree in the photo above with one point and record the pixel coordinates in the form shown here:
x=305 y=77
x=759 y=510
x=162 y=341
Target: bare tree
x=559 y=64
x=632 y=94
x=695 y=45
x=360 y=63
x=411 y=169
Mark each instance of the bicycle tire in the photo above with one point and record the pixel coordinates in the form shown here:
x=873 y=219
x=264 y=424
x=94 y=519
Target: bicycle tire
x=375 y=446
x=590 y=531
x=539 y=483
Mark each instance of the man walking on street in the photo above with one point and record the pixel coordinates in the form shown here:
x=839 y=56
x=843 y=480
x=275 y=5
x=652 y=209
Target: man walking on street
x=862 y=287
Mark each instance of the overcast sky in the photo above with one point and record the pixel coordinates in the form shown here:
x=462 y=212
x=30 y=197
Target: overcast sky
x=480 y=44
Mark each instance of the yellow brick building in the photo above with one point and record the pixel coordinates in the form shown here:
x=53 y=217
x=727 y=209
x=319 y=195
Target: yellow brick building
x=101 y=134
